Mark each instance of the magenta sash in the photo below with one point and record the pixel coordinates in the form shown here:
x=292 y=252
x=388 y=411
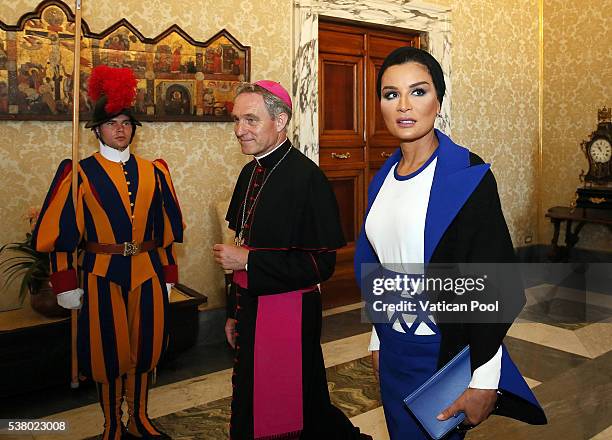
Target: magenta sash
x=277 y=364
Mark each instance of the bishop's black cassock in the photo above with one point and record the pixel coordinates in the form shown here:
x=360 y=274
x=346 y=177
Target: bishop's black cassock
x=289 y=219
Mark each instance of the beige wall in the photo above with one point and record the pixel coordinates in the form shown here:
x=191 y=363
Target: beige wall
x=495 y=98
x=495 y=109
x=578 y=81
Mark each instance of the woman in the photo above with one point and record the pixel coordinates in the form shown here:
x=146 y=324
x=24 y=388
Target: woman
x=435 y=202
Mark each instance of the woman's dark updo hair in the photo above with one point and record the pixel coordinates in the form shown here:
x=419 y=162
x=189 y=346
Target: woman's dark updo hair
x=408 y=54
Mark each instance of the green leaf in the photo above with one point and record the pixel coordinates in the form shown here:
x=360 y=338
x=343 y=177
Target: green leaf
x=32 y=265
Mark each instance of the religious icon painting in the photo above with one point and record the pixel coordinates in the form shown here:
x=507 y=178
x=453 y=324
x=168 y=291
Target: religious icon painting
x=179 y=79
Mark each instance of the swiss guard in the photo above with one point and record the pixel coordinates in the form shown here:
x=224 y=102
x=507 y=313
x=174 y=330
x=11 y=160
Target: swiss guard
x=126 y=221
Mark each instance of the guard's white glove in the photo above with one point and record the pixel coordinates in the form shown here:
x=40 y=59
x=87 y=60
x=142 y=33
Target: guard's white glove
x=169 y=287
x=70 y=299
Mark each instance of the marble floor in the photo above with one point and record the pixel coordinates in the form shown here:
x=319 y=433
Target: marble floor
x=565 y=358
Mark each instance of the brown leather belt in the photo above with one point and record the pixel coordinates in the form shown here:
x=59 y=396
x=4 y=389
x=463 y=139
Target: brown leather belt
x=126 y=249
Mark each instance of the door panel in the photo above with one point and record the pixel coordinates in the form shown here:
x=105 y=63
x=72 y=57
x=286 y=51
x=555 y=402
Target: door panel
x=340 y=100
x=381 y=45
x=341 y=40
x=378 y=135
x=348 y=188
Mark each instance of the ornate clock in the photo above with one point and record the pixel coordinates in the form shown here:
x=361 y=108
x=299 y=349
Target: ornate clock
x=597 y=190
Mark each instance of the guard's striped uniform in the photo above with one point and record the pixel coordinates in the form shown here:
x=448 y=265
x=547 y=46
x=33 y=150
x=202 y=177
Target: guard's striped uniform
x=122 y=321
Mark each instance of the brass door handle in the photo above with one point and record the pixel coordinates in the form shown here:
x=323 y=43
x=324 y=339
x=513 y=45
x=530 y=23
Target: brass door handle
x=385 y=154
x=346 y=155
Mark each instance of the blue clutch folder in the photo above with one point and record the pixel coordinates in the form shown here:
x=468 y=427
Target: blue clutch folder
x=438 y=392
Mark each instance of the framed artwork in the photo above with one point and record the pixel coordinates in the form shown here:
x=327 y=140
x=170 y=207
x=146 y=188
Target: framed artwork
x=179 y=79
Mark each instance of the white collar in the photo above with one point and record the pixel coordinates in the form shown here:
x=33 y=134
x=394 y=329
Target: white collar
x=258 y=158
x=114 y=155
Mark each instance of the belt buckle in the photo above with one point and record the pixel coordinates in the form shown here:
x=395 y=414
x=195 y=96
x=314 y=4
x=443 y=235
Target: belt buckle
x=130 y=248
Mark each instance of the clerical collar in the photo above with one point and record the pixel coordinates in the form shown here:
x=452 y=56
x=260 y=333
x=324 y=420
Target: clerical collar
x=114 y=155
x=270 y=159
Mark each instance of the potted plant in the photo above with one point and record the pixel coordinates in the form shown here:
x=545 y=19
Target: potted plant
x=26 y=261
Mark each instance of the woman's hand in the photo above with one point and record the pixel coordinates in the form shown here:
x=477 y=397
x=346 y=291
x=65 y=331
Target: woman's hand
x=475 y=403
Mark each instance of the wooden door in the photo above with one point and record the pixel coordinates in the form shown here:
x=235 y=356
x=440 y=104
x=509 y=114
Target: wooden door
x=353 y=139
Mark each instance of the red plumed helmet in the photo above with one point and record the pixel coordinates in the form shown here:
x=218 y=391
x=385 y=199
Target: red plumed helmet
x=113 y=90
